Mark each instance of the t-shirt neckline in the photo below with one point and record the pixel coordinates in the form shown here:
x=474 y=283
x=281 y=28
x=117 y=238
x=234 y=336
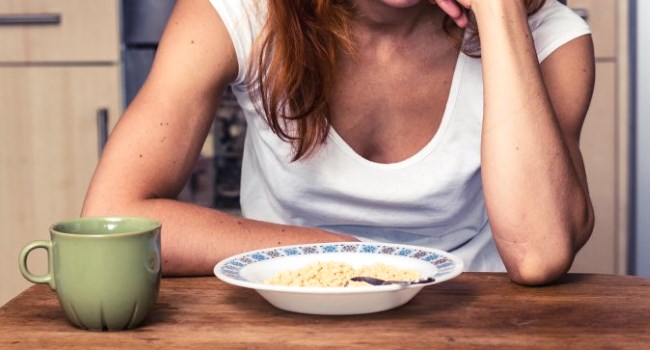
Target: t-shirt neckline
x=447 y=115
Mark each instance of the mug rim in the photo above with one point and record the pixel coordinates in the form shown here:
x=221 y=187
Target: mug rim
x=155 y=225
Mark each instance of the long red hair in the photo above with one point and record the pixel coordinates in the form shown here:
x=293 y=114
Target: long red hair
x=295 y=64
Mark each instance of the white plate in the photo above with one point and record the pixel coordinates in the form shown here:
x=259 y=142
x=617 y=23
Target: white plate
x=251 y=269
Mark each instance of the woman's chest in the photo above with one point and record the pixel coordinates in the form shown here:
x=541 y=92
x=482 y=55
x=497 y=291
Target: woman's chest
x=388 y=111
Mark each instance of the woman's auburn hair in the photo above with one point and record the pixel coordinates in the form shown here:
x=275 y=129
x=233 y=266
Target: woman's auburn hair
x=295 y=62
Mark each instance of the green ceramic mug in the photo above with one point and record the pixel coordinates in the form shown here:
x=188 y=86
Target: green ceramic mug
x=105 y=270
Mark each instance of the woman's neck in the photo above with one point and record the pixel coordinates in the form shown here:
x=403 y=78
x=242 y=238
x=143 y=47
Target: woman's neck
x=377 y=17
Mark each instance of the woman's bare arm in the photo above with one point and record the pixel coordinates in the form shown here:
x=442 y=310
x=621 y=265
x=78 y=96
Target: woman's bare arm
x=533 y=173
x=154 y=146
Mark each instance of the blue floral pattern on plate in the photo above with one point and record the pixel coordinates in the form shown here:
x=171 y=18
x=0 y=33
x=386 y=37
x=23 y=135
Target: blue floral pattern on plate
x=444 y=263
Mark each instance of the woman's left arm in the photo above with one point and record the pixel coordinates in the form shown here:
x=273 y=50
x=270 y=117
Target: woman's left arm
x=533 y=174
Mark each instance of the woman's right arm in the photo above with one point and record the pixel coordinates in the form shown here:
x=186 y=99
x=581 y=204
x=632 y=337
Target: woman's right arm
x=152 y=150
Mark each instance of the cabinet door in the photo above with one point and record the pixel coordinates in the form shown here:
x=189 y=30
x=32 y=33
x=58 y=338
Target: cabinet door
x=48 y=151
x=59 y=30
x=599 y=147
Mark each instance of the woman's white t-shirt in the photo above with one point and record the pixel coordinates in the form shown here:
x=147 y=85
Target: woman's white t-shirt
x=433 y=199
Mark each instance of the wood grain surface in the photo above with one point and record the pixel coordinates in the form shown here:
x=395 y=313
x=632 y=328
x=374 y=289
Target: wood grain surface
x=475 y=310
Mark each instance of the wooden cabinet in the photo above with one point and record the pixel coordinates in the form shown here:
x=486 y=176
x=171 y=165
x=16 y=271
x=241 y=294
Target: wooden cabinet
x=605 y=138
x=68 y=31
x=56 y=76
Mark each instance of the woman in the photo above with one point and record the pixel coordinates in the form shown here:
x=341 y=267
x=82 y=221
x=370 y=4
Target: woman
x=368 y=120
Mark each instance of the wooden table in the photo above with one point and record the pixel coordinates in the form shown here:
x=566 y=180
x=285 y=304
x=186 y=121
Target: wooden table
x=475 y=310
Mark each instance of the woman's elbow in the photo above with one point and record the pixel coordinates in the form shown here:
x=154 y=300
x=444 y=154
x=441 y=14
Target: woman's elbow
x=541 y=264
x=551 y=258
x=103 y=203
x=539 y=270
x=93 y=206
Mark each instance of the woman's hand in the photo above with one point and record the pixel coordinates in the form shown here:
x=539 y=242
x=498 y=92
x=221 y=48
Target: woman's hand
x=456 y=9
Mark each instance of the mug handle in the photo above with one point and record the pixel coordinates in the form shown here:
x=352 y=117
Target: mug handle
x=22 y=263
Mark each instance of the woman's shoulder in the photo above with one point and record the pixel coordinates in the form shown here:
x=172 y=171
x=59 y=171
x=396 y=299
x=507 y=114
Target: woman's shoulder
x=243 y=20
x=553 y=25
x=252 y=12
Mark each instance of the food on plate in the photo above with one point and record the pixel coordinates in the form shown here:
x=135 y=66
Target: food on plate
x=338 y=274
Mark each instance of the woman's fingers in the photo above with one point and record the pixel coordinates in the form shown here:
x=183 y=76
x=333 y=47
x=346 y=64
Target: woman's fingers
x=456 y=11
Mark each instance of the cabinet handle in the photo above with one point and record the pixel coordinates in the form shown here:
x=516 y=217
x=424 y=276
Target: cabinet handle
x=584 y=13
x=30 y=19
x=102 y=129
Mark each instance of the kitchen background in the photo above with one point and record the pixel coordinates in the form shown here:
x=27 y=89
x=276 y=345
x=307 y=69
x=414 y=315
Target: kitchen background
x=68 y=68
